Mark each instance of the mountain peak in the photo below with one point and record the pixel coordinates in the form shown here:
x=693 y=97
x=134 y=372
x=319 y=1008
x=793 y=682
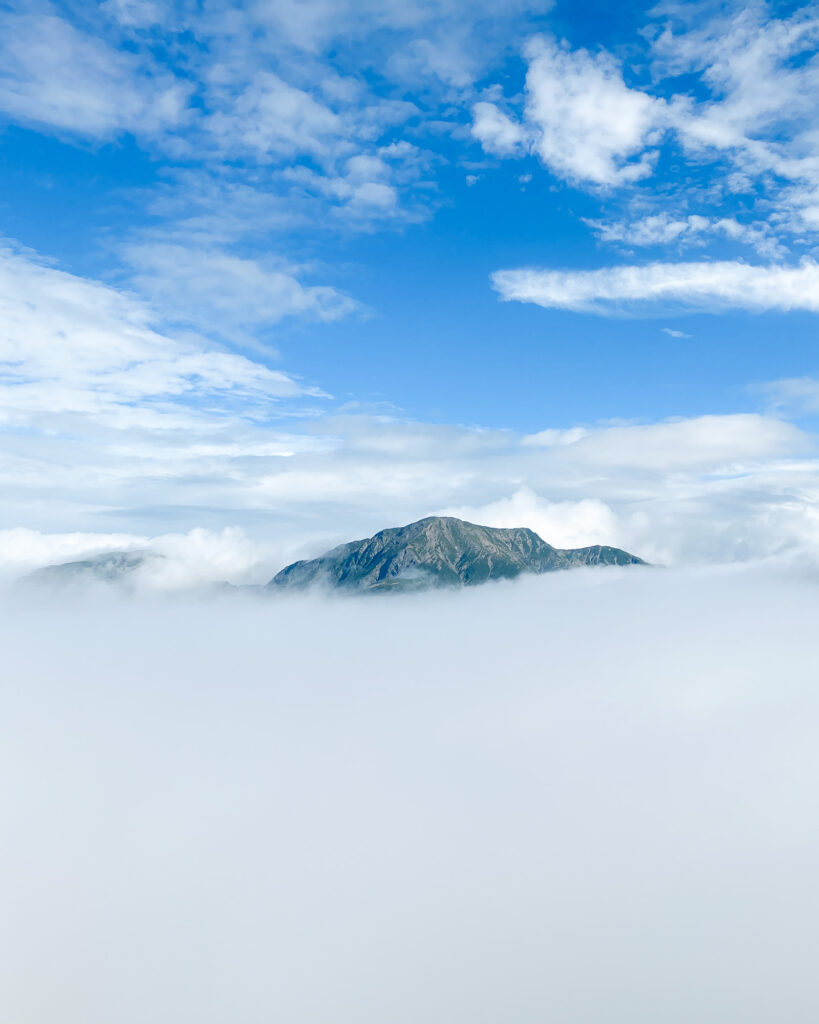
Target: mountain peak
x=441 y=551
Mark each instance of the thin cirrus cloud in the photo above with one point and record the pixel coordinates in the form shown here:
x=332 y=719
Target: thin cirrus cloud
x=222 y=292
x=657 y=287
x=74 y=347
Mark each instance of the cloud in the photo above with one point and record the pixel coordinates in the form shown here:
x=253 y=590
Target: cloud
x=655 y=288
x=567 y=524
x=444 y=40
x=95 y=395
x=72 y=345
x=587 y=124
x=273 y=117
x=672 y=333
x=495 y=130
x=710 y=489
x=750 y=63
x=53 y=74
x=580 y=117
x=174 y=561
x=725 y=107
x=217 y=290
x=610 y=774
x=796 y=393
x=662 y=229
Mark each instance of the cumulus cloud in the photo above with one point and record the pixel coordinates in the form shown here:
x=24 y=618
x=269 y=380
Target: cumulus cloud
x=495 y=130
x=605 y=775
x=567 y=524
x=587 y=124
x=655 y=288
x=729 y=101
x=580 y=117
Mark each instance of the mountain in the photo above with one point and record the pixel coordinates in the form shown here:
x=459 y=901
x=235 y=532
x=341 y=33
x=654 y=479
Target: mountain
x=109 y=567
x=441 y=551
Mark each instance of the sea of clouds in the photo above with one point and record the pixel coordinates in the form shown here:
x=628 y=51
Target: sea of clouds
x=582 y=798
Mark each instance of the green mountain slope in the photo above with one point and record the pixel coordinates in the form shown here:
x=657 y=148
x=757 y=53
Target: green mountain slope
x=441 y=551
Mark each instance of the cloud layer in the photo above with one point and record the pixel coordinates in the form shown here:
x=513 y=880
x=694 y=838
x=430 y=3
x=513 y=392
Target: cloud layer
x=456 y=808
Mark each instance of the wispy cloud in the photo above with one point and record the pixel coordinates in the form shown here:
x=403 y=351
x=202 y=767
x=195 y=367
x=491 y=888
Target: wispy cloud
x=798 y=394
x=655 y=288
x=225 y=294
x=56 y=75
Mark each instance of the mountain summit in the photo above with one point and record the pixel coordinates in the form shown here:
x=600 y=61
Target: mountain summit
x=441 y=551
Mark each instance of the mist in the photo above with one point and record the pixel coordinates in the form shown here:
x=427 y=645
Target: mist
x=588 y=798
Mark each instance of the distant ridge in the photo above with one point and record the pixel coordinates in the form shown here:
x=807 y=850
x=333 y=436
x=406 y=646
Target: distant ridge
x=441 y=551
x=108 y=567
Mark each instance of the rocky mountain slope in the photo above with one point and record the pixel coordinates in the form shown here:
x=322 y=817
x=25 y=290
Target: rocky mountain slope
x=441 y=551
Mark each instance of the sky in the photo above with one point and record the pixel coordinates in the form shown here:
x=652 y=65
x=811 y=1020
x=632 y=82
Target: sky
x=276 y=274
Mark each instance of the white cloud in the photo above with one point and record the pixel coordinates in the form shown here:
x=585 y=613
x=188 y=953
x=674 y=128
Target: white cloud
x=713 y=489
x=662 y=229
x=214 y=289
x=53 y=74
x=732 y=90
x=566 y=524
x=274 y=118
x=580 y=117
x=795 y=392
x=746 y=58
x=495 y=130
x=705 y=443
x=605 y=775
x=657 y=287
x=99 y=407
x=448 y=40
x=673 y=333
x=70 y=345
x=588 y=124
x=23 y=549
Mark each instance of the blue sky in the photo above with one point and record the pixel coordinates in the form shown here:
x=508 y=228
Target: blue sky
x=299 y=269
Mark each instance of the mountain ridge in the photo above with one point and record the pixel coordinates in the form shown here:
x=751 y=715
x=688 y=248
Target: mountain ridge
x=441 y=551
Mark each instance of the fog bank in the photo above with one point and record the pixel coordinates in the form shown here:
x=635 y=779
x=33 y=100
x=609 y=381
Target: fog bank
x=583 y=799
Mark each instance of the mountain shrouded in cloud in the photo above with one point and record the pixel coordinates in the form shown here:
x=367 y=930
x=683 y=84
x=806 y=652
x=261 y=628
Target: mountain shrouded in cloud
x=434 y=552
x=276 y=273
x=440 y=552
